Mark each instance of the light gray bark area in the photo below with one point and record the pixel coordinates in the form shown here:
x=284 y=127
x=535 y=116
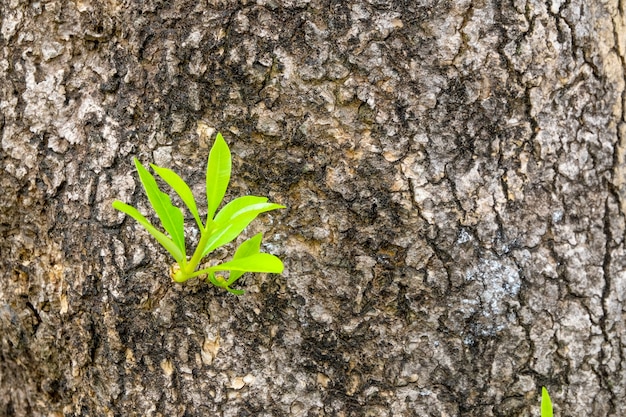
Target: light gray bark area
x=456 y=189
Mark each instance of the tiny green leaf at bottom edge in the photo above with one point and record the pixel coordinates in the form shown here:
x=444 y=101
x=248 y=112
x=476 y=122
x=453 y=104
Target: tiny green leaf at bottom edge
x=546 y=403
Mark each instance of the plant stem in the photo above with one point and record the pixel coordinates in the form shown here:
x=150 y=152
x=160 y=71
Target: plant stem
x=201 y=272
x=187 y=270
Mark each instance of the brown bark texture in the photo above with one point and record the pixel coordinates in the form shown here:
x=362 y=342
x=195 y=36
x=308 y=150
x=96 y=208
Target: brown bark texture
x=454 y=179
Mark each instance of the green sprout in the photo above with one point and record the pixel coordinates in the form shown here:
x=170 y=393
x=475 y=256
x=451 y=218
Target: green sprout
x=218 y=229
x=546 y=403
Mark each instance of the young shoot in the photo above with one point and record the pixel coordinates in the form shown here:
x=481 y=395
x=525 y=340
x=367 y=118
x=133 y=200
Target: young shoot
x=546 y=403
x=218 y=229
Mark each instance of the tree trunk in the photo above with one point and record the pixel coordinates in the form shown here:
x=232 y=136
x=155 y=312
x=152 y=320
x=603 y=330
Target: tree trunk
x=455 y=188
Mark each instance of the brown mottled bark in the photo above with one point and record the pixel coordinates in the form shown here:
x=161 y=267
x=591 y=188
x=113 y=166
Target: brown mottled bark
x=455 y=182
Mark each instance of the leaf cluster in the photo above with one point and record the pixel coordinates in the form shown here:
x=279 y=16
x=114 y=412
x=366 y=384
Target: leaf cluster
x=219 y=228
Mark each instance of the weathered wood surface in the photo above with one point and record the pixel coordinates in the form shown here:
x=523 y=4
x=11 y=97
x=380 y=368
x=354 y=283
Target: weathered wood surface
x=455 y=182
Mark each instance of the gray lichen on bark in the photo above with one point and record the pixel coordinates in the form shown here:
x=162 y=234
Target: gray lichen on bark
x=455 y=182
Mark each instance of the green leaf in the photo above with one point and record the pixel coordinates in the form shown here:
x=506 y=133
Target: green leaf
x=546 y=403
x=228 y=211
x=239 y=206
x=229 y=228
x=181 y=188
x=250 y=247
x=217 y=175
x=171 y=217
x=166 y=242
x=220 y=282
x=259 y=262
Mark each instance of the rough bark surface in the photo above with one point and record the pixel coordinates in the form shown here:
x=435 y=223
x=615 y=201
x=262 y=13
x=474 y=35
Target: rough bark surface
x=455 y=181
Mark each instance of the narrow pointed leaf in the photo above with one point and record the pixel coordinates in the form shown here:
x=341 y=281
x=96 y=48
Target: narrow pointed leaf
x=260 y=262
x=229 y=229
x=181 y=188
x=237 y=207
x=250 y=247
x=546 y=403
x=165 y=241
x=171 y=217
x=217 y=175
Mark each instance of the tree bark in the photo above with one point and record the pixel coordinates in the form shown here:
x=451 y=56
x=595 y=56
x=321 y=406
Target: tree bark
x=455 y=188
